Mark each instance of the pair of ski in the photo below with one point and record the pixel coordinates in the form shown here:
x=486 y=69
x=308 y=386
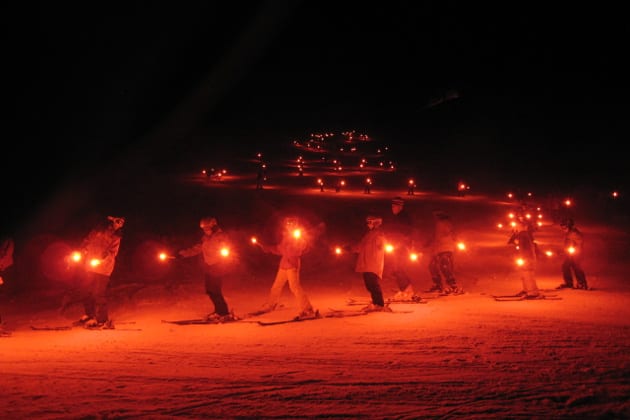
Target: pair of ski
x=434 y=295
x=519 y=298
x=332 y=313
x=69 y=327
x=206 y=321
x=364 y=302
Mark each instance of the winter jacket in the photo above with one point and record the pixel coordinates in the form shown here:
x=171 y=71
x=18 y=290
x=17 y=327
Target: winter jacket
x=444 y=239
x=371 y=252
x=6 y=253
x=575 y=239
x=398 y=229
x=290 y=248
x=210 y=246
x=103 y=245
x=526 y=247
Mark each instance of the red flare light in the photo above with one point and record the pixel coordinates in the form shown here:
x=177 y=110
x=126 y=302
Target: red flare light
x=163 y=256
x=76 y=256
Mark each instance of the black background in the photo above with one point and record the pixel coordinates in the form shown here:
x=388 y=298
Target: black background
x=539 y=88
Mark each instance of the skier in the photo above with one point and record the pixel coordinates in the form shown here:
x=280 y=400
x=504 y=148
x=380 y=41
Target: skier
x=7 y=247
x=293 y=244
x=443 y=245
x=572 y=264
x=399 y=231
x=214 y=246
x=523 y=240
x=99 y=252
x=371 y=260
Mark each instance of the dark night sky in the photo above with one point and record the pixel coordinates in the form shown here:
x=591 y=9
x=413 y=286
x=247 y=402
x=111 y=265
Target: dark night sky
x=92 y=82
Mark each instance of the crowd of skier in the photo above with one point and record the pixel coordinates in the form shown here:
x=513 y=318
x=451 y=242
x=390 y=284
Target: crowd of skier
x=385 y=251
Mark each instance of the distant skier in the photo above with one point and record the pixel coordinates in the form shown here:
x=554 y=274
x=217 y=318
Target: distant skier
x=7 y=247
x=523 y=240
x=443 y=245
x=572 y=264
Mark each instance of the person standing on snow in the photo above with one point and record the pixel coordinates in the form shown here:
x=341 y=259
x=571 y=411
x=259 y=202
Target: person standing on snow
x=399 y=231
x=523 y=240
x=371 y=260
x=443 y=244
x=214 y=246
x=99 y=252
x=293 y=244
x=572 y=264
x=7 y=247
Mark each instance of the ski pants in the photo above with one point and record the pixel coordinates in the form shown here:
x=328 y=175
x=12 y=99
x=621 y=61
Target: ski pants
x=291 y=276
x=373 y=285
x=95 y=296
x=570 y=266
x=214 y=285
x=441 y=269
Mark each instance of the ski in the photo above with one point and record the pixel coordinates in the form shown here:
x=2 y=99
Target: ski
x=205 y=321
x=340 y=313
x=356 y=302
x=288 y=321
x=69 y=327
x=437 y=295
x=525 y=298
x=388 y=310
x=518 y=296
x=257 y=313
x=199 y=321
x=51 y=328
x=406 y=301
